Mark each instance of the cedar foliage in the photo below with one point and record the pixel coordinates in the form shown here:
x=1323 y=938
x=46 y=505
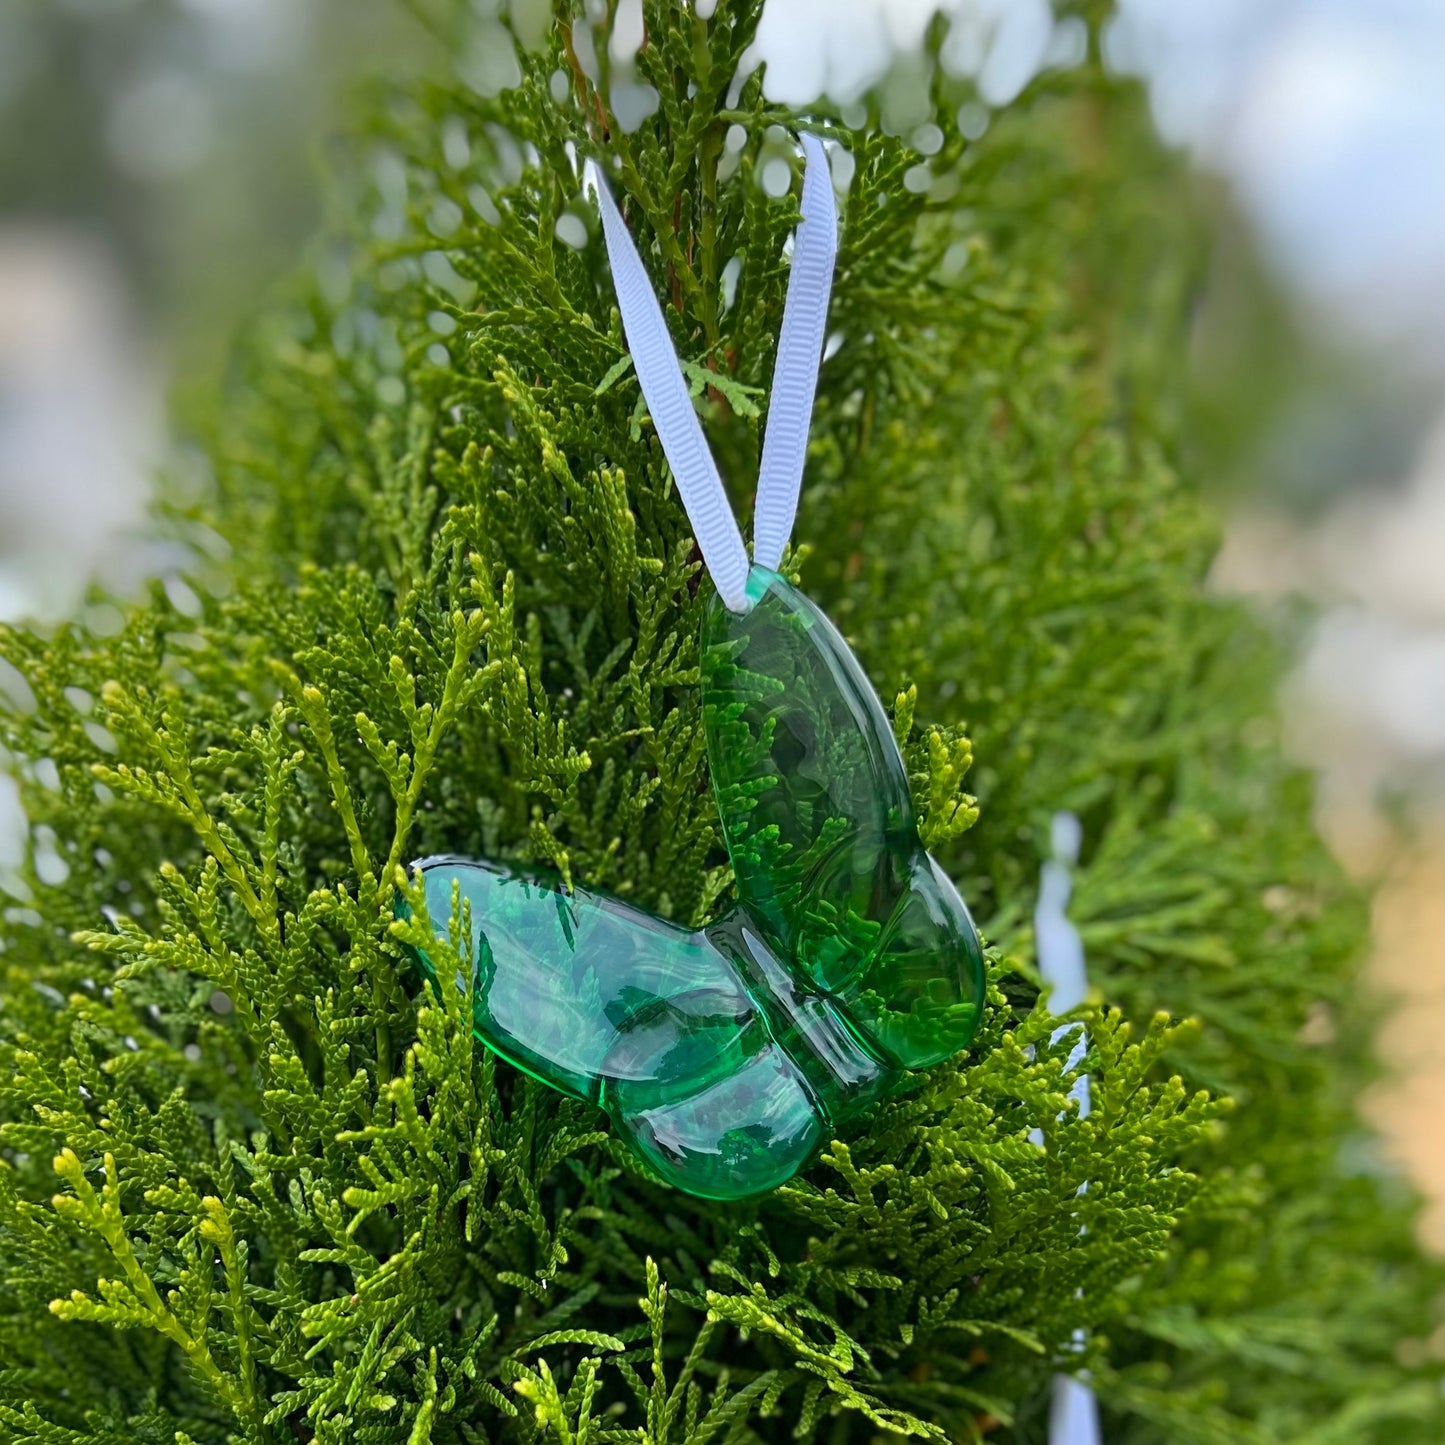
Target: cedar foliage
x=256 y=1187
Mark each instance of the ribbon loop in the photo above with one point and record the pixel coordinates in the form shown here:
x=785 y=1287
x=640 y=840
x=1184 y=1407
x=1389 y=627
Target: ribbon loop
x=795 y=382
x=1073 y=1410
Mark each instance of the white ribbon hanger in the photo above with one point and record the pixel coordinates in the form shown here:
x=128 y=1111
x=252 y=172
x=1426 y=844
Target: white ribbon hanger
x=1074 y=1414
x=790 y=407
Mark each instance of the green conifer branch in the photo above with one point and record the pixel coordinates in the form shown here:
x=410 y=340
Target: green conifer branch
x=465 y=620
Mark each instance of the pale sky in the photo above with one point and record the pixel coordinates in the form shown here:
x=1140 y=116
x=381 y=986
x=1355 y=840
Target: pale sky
x=1327 y=115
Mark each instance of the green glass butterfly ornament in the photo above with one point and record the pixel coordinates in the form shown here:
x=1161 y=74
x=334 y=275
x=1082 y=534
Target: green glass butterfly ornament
x=726 y=1056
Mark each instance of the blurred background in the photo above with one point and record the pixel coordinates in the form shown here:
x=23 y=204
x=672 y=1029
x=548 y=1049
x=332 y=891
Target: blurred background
x=158 y=169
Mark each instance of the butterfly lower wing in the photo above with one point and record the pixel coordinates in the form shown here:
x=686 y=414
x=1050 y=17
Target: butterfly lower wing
x=607 y=1003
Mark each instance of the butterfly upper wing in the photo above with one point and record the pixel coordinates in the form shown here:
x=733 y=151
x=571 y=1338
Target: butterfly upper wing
x=821 y=830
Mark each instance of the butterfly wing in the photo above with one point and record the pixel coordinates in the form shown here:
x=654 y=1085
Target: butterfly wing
x=580 y=987
x=821 y=830
x=607 y=1003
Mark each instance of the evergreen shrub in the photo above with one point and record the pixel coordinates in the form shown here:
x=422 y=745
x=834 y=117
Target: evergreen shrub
x=257 y=1186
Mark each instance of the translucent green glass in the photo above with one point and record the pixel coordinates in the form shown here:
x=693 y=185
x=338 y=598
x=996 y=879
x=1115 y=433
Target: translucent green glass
x=725 y=1056
x=718 y=1069
x=821 y=831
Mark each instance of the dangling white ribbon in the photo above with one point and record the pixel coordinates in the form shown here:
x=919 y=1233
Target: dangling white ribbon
x=800 y=353
x=795 y=381
x=1074 y=1414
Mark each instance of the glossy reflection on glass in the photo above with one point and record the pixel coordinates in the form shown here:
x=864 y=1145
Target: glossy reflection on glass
x=725 y=1056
